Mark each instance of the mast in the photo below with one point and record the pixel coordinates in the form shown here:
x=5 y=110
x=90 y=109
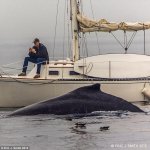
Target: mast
x=75 y=38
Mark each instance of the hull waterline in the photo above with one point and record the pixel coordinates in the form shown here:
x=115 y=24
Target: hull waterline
x=23 y=92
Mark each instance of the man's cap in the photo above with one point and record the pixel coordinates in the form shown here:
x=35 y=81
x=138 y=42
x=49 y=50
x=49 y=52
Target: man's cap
x=36 y=40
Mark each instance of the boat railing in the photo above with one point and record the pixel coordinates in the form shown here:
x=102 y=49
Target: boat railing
x=14 y=67
x=108 y=69
x=9 y=69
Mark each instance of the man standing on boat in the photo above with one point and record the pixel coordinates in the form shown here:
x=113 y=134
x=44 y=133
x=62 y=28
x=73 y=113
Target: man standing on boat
x=37 y=54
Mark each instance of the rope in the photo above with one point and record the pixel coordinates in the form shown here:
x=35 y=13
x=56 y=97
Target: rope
x=55 y=29
x=88 y=68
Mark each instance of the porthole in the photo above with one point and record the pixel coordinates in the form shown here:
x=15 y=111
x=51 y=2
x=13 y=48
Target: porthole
x=54 y=73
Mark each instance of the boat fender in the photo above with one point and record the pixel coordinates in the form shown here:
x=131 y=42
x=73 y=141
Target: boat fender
x=146 y=92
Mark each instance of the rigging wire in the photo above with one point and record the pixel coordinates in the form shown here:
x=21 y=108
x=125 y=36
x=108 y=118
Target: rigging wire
x=84 y=44
x=17 y=62
x=68 y=26
x=144 y=42
x=131 y=39
x=84 y=60
x=117 y=40
x=81 y=43
x=55 y=29
x=83 y=37
x=95 y=32
x=29 y=83
x=64 y=34
x=79 y=3
x=127 y=43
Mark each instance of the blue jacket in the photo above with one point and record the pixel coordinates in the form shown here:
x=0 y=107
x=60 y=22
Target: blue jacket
x=41 y=52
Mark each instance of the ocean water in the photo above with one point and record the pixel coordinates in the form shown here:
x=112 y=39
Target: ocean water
x=129 y=131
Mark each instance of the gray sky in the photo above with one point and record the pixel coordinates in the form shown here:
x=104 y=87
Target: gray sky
x=25 y=19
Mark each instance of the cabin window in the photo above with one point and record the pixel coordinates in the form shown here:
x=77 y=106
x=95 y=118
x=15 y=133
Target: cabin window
x=73 y=73
x=54 y=73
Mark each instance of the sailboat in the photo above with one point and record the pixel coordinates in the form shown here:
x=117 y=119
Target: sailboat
x=122 y=75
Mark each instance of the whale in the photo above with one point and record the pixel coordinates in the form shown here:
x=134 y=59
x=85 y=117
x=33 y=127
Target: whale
x=83 y=100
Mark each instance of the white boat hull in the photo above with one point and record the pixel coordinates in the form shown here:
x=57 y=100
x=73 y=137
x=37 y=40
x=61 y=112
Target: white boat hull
x=24 y=92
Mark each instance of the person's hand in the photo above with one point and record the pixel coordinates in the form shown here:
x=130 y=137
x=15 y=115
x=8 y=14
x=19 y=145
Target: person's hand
x=33 y=50
x=30 y=50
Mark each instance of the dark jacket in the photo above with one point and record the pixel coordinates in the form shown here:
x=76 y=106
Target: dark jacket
x=33 y=55
x=41 y=52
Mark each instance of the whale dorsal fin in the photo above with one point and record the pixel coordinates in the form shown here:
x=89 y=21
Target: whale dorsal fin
x=95 y=88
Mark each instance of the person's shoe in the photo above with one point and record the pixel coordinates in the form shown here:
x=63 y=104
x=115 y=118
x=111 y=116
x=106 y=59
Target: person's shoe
x=37 y=76
x=22 y=74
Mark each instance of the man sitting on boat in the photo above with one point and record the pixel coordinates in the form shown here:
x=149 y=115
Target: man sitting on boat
x=37 y=54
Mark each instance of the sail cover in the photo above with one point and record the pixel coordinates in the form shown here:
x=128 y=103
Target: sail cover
x=89 y=25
